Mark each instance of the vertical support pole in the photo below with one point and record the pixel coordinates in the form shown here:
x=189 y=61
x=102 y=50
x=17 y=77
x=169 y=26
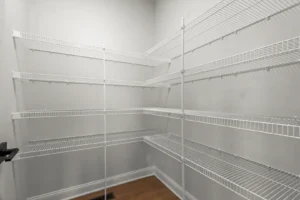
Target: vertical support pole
x=104 y=117
x=182 y=113
x=14 y=170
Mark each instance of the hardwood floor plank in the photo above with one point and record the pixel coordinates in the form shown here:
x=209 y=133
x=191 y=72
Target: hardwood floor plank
x=149 y=188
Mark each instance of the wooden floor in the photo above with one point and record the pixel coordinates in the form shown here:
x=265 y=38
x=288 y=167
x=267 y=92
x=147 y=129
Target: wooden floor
x=149 y=188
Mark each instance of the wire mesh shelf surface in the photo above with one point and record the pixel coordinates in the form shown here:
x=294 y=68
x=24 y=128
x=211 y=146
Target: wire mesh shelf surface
x=76 y=80
x=73 y=113
x=224 y=19
x=57 y=78
x=248 y=179
x=61 y=145
x=280 y=126
x=281 y=54
x=96 y=52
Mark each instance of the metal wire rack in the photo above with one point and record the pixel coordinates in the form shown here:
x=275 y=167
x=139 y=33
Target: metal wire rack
x=73 y=113
x=280 y=126
x=56 y=78
x=51 y=78
x=74 y=49
x=62 y=145
x=56 y=113
x=224 y=19
x=281 y=54
x=248 y=179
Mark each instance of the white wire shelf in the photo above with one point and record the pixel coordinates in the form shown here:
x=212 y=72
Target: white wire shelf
x=278 y=55
x=73 y=113
x=279 y=126
x=62 y=145
x=226 y=18
x=74 y=49
x=35 y=77
x=246 y=178
x=57 y=78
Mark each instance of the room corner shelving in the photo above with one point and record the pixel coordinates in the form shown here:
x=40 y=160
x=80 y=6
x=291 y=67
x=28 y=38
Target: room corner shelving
x=250 y=180
x=246 y=178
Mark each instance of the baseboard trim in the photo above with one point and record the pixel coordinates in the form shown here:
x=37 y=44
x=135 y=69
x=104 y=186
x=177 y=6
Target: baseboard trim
x=172 y=185
x=80 y=190
x=83 y=189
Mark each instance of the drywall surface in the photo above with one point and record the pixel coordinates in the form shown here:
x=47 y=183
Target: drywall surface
x=168 y=14
x=1 y=63
x=122 y=25
x=14 y=18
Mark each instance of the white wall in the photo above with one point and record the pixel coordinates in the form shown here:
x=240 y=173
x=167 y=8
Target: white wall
x=122 y=25
x=14 y=17
x=168 y=14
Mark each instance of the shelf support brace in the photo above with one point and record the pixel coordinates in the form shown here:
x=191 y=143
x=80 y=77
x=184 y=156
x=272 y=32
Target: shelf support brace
x=104 y=120
x=182 y=111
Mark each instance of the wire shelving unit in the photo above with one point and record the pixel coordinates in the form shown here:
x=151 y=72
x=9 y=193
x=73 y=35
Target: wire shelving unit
x=246 y=178
x=52 y=78
x=279 y=55
x=279 y=126
x=63 y=145
x=226 y=18
x=55 y=46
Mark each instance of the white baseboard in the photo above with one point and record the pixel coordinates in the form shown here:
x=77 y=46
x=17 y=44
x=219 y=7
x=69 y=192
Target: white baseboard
x=172 y=185
x=80 y=190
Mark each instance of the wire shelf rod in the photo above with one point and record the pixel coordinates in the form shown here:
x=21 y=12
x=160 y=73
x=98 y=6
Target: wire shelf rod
x=271 y=56
x=62 y=43
x=258 y=11
x=242 y=72
x=36 y=77
x=73 y=113
x=237 y=164
x=90 y=57
x=208 y=173
x=230 y=176
x=236 y=30
x=55 y=146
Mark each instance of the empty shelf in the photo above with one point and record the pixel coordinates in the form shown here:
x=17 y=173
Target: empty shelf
x=57 y=78
x=248 y=179
x=50 y=45
x=224 y=19
x=281 y=126
x=76 y=80
x=72 y=113
x=282 y=54
x=62 y=145
x=56 y=113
